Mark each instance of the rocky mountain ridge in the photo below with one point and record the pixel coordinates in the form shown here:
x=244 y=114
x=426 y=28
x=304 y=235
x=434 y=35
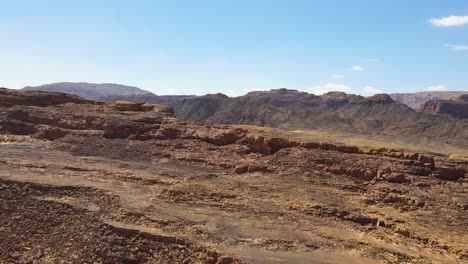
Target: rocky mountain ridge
x=378 y=115
x=114 y=92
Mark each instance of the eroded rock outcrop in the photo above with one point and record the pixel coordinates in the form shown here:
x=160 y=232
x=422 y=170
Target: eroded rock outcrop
x=10 y=97
x=457 y=107
x=127 y=106
x=138 y=121
x=450 y=173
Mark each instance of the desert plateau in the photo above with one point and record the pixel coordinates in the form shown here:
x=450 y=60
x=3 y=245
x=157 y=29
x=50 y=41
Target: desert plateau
x=124 y=182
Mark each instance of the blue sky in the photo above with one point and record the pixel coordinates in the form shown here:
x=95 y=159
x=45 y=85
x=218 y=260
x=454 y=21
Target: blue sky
x=201 y=46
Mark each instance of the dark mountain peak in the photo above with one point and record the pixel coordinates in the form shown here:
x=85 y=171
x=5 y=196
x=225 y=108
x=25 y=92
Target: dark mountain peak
x=337 y=99
x=285 y=91
x=335 y=94
x=281 y=92
x=216 y=96
x=380 y=98
x=342 y=95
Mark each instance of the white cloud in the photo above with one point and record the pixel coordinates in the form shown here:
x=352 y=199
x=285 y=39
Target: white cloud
x=329 y=87
x=458 y=47
x=230 y=92
x=357 y=68
x=436 y=88
x=338 y=76
x=450 y=21
x=371 y=90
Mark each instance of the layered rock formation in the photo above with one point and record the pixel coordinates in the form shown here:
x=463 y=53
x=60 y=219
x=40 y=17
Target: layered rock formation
x=457 y=107
x=65 y=116
x=10 y=97
x=130 y=183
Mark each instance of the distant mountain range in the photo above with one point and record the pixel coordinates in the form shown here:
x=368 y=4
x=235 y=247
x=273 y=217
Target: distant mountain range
x=417 y=100
x=90 y=91
x=112 y=92
x=336 y=112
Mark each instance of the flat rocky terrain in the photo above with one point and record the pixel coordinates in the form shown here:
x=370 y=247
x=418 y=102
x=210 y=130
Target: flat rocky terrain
x=88 y=182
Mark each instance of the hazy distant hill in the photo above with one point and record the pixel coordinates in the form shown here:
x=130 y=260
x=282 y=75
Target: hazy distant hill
x=91 y=91
x=417 y=100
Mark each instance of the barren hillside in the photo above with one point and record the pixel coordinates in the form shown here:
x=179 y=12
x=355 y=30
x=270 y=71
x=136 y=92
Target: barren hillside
x=335 y=112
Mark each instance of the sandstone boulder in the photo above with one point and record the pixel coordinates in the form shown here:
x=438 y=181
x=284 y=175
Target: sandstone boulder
x=147 y=107
x=150 y=118
x=364 y=220
x=119 y=128
x=450 y=173
x=222 y=137
x=369 y=175
x=336 y=169
x=168 y=132
x=258 y=167
x=127 y=106
x=396 y=155
x=225 y=260
x=51 y=133
x=427 y=159
x=411 y=156
x=201 y=133
x=277 y=143
x=17 y=127
x=244 y=168
x=359 y=173
x=395 y=178
x=258 y=144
